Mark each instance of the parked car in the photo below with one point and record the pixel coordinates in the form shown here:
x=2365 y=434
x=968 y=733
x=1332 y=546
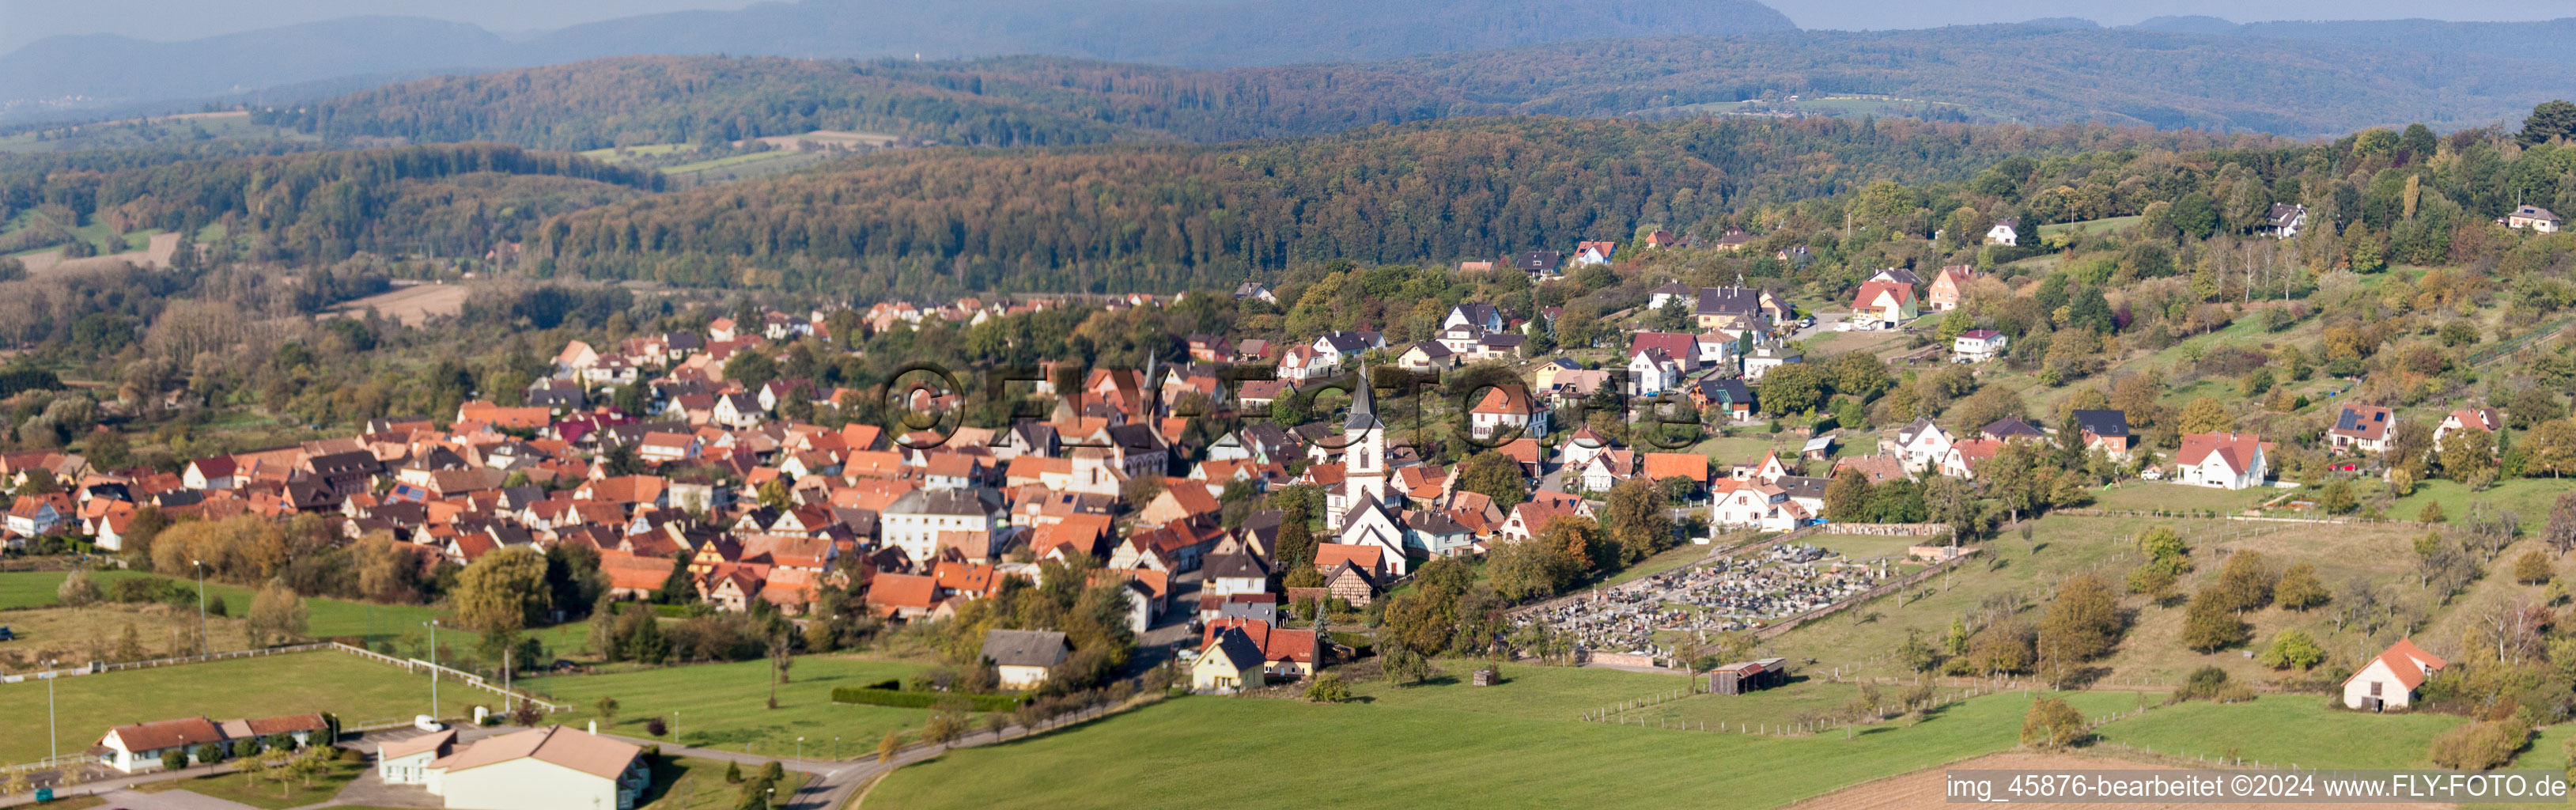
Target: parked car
x=8 y=635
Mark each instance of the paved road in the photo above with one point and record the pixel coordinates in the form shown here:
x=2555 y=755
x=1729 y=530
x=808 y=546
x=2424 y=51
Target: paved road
x=836 y=782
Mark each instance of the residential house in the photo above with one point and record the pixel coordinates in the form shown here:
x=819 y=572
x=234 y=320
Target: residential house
x=2362 y=428
x=1922 y=444
x=1768 y=356
x=1653 y=371
x=1885 y=303
x=1728 y=393
x=2105 y=429
x=2391 y=678
x=2533 y=217
x=2006 y=233
x=1978 y=346
x=1482 y=316
x=1427 y=356
x=1950 y=287
x=1671 y=292
x=1024 y=657
x=1592 y=253
x=2225 y=460
x=2285 y=220
x=920 y=521
x=1538 y=262
x=2486 y=419
x=1506 y=408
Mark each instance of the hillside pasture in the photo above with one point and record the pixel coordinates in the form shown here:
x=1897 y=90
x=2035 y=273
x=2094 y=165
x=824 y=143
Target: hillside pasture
x=1429 y=748
x=412 y=305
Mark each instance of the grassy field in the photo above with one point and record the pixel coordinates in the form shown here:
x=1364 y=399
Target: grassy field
x=1863 y=640
x=176 y=129
x=240 y=788
x=79 y=635
x=2532 y=498
x=2145 y=495
x=1666 y=560
x=2300 y=729
x=2104 y=225
x=725 y=706
x=624 y=154
x=357 y=690
x=1431 y=746
x=688 y=783
x=324 y=617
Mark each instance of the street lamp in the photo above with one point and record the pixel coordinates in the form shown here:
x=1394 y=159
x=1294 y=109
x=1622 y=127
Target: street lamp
x=433 y=669
x=771 y=800
x=675 y=727
x=800 y=747
x=53 y=745
x=836 y=746
x=200 y=565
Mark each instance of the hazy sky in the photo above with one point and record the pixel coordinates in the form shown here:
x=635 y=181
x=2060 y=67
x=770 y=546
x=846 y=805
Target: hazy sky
x=24 y=21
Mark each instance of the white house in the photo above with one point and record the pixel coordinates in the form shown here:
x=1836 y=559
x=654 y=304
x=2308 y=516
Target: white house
x=1303 y=363
x=1482 y=316
x=2006 y=233
x=539 y=769
x=1754 y=504
x=1768 y=356
x=1507 y=408
x=2225 y=460
x=1922 y=444
x=2285 y=220
x=1605 y=469
x=2391 y=679
x=1023 y=657
x=2486 y=419
x=1588 y=253
x=2535 y=218
x=1653 y=371
x=920 y=521
x=2364 y=428
x=1978 y=346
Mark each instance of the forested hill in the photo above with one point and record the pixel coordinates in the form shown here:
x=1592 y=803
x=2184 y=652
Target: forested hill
x=103 y=70
x=1011 y=101
x=448 y=199
x=2021 y=73
x=2542 y=40
x=1177 y=217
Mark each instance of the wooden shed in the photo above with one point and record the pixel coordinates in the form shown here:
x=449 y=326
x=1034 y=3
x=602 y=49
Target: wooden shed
x=1745 y=676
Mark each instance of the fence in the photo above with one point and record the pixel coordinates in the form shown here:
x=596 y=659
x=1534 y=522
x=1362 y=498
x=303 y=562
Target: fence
x=416 y=666
x=2499 y=351
x=100 y=669
x=1883 y=589
x=1885 y=529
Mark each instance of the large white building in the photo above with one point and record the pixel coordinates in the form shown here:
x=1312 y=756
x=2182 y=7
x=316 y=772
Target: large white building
x=920 y=520
x=551 y=768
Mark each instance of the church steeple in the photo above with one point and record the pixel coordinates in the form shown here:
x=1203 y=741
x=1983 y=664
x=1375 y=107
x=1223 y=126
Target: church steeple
x=1364 y=448
x=1363 y=410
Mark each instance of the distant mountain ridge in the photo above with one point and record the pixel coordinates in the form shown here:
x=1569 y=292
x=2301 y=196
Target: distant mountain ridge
x=2545 y=40
x=2027 y=73
x=103 y=70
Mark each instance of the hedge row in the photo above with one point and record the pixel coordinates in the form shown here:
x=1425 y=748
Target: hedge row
x=920 y=700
